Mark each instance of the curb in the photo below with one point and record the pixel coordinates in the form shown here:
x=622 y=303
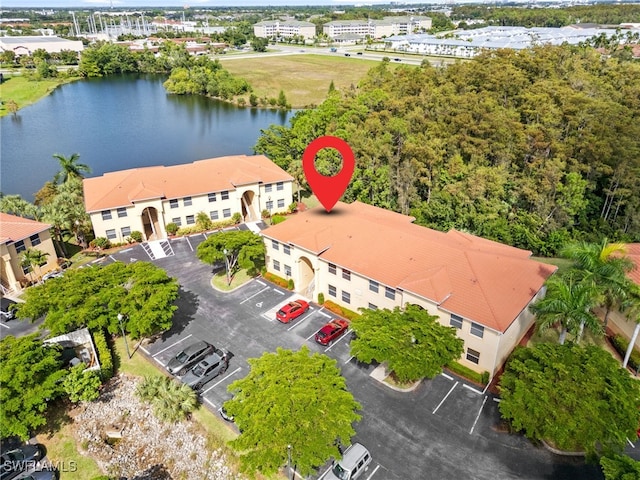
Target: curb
x=380 y=373
x=562 y=453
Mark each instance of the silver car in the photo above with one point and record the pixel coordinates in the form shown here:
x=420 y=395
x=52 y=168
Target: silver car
x=208 y=369
x=183 y=361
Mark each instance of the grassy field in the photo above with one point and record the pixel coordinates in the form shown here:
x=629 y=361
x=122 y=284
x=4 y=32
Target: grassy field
x=25 y=92
x=305 y=79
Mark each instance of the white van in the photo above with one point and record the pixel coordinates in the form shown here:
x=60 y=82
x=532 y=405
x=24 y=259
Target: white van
x=354 y=463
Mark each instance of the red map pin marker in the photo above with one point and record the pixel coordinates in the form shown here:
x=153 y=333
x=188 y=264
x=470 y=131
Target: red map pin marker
x=328 y=189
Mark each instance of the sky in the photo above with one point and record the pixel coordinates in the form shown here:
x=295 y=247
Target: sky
x=191 y=3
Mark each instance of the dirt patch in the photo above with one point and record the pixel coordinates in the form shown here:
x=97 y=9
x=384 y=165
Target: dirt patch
x=125 y=438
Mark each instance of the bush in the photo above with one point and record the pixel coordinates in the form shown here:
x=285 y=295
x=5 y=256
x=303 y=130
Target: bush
x=467 y=373
x=321 y=298
x=203 y=221
x=136 y=236
x=338 y=310
x=236 y=218
x=172 y=228
x=104 y=355
x=253 y=100
x=621 y=344
x=265 y=213
x=100 y=242
x=290 y=284
x=277 y=219
x=293 y=207
x=276 y=279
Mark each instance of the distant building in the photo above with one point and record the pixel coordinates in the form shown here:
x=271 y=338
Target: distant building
x=27 y=45
x=364 y=257
x=147 y=199
x=17 y=234
x=377 y=28
x=284 y=28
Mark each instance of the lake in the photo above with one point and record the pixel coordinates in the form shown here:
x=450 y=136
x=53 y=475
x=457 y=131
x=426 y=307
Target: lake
x=122 y=122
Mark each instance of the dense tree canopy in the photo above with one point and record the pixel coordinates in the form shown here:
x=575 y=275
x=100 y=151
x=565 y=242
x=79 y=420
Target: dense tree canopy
x=291 y=398
x=93 y=297
x=532 y=148
x=620 y=467
x=244 y=249
x=577 y=398
x=411 y=341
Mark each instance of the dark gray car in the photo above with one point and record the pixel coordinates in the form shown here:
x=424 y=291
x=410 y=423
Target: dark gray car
x=209 y=368
x=180 y=364
x=19 y=460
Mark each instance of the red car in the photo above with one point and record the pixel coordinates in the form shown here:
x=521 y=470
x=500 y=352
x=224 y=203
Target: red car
x=292 y=310
x=332 y=330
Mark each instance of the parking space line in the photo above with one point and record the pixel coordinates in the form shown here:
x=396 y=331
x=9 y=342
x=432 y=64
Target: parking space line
x=257 y=293
x=445 y=397
x=472 y=389
x=261 y=283
x=278 y=291
x=323 y=314
x=632 y=445
x=111 y=257
x=348 y=360
x=173 y=344
x=496 y=399
x=125 y=250
x=221 y=380
x=5 y=326
x=145 y=350
x=449 y=377
x=478 y=416
x=373 y=473
x=209 y=402
x=300 y=322
x=312 y=335
x=189 y=243
x=336 y=342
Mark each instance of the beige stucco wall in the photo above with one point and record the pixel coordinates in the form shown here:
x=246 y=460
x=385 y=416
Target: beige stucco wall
x=12 y=273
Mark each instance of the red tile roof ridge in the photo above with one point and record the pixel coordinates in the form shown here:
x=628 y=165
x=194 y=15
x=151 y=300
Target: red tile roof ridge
x=14 y=228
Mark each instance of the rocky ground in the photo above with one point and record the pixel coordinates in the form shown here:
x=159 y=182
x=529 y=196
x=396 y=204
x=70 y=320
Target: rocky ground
x=148 y=448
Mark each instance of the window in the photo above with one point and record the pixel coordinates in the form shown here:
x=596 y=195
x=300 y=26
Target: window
x=473 y=356
x=275 y=245
x=346 y=274
x=269 y=205
x=214 y=214
x=173 y=203
x=390 y=293
x=126 y=231
x=332 y=291
x=280 y=202
x=332 y=268
x=106 y=214
x=268 y=187
x=280 y=186
x=346 y=297
x=286 y=249
x=372 y=306
x=191 y=219
x=26 y=269
x=111 y=234
x=224 y=195
x=35 y=240
x=226 y=212
x=122 y=212
x=455 y=321
x=477 y=330
x=287 y=270
x=177 y=221
x=212 y=197
x=373 y=286
x=20 y=246
x=187 y=201
x=276 y=265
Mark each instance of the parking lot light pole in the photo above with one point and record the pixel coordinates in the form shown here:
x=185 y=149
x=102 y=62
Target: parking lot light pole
x=124 y=336
x=289 y=476
x=228 y=267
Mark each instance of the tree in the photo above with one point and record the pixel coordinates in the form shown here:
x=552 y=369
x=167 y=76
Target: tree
x=30 y=376
x=69 y=168
x=568 y=303
x=620 y=467
x=412 y=342
x=259 y=44
x=16 y=205
x=244 y=249
x=12 y=106
x=171 y=401
x=81 y=384
x=282 y=99
x=291 y=398
x=32 y=257
x=577 y=398
x=93 y=297
x=631 y=307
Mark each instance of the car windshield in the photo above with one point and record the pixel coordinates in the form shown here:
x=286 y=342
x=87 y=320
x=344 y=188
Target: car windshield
x=281 y=312
x=340 y=472
x=182 y=357
x=198 y=371
x=322 y=334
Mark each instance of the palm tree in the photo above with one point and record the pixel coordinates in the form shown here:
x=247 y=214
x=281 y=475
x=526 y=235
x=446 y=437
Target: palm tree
x=34 y=258
x=606 y=266
x=69 y=168
x=631 y=307
x=568 y=302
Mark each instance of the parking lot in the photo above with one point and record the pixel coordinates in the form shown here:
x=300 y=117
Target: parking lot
x=445 y=426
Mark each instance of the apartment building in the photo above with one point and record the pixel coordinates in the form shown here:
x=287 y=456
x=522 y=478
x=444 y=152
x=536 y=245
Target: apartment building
x=364 y=257
x=147 y=199
x=377 y=28
x=284 y=28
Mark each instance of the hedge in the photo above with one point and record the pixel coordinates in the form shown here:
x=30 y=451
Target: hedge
x=281 y=282
x=104 y=355
x=197 y=229
x=466 y=372
x=338 y=310
x=621 y=344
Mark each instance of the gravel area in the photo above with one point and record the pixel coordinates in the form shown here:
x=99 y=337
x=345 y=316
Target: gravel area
x=148 y=448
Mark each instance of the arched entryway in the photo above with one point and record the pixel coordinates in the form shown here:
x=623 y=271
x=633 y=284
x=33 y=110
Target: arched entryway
x=248 y=209
x=306 y=277
x=150 y=224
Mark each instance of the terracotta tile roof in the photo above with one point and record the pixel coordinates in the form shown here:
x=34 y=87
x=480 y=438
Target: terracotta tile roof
x=484 y=281
x=633 y=252
x=122 y=188
x=13 y=228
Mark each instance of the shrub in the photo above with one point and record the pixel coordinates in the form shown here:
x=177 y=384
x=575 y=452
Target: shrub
x=100 y=242
x=276 y=279
x=253 y=100
x=81 y=384
x=104 y=355
x=242 y=102
x=485 y=377
x=172 y=228
x=203 y=222
x=338 y=310
x=277 y=219
x=293 y=207
x=621 y=344
x=290 y=284
x=321 y=298
x=466 y=372
x=136 y=236
x=236 y=218
x=265 y=213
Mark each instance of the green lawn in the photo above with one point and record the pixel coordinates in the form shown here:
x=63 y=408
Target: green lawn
x=563 y=264
x=25 y=92
x=220 y=280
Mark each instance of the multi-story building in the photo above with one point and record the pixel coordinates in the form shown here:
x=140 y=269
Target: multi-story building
x=364 y=257
x=17 y=234
x=147 y=199
x=284 y=28
x=377 y=28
